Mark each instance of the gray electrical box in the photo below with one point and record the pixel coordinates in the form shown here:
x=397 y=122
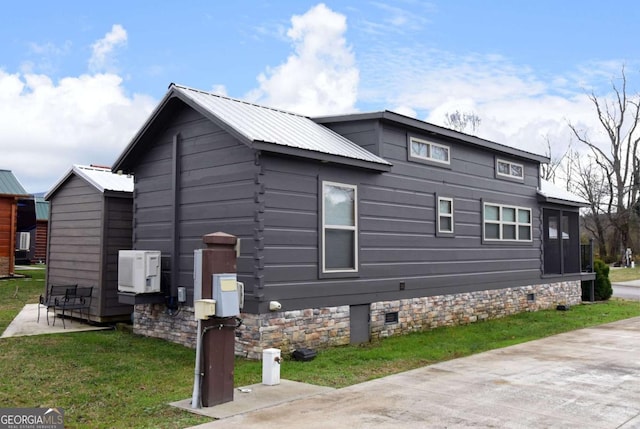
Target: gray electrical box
x=197 y=274
x=182 y=294
x=225 y=293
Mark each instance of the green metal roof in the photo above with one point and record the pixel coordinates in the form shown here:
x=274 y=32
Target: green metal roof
x=42 y=209
x=9 y=184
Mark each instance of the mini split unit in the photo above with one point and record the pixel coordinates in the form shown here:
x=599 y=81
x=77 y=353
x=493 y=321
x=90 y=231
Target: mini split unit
x=139 y=271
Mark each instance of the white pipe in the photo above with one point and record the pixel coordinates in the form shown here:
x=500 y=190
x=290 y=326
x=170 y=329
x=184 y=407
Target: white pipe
x=195 y=401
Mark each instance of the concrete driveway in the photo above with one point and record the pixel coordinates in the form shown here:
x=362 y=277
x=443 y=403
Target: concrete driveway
x=627 y=290
x=588 y=378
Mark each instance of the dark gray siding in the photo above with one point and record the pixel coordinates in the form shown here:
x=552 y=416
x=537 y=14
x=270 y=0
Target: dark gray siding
x=364 y=133
x=217 y=191
x=118 y=212
x=396 y=227
x=75 y=236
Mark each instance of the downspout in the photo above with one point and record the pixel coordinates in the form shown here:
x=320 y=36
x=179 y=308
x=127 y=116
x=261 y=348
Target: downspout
x=561 y=240
x=175 y=221
x=12 y=237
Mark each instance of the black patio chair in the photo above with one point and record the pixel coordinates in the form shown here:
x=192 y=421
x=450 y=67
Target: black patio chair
x=53 y=294
x=78 y=299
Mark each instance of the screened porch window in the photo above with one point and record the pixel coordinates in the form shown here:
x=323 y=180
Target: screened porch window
x=339 y=227
x=561 y=241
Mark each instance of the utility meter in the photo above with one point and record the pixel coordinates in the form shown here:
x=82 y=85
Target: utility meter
x=225 y=293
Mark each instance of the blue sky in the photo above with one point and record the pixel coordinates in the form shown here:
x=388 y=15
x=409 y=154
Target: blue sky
x=77 y=79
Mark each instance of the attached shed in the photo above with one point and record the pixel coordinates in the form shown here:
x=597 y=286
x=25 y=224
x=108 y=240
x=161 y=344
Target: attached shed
x=361 y=226
x=90 y=221
x=11 y=192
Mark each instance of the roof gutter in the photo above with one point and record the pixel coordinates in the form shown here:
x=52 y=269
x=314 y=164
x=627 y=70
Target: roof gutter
x=320 y=156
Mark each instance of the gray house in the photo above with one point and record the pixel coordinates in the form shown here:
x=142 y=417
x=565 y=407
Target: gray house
x=90 y=221
x=360 y=226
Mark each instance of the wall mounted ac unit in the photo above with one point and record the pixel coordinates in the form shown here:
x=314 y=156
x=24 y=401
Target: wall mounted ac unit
x=139 y=271
x=24 y=241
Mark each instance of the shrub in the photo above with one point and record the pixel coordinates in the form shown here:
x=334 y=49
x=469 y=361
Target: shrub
x=602 y=286
x=610 y=259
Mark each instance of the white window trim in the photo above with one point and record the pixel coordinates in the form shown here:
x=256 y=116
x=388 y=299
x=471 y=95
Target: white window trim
x=353 y=228
x=449 y=215
x=501 y=222
x=510 y=164
x=429 y=158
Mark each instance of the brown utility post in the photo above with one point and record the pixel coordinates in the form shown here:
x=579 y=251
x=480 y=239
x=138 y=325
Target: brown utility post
x=218 y=342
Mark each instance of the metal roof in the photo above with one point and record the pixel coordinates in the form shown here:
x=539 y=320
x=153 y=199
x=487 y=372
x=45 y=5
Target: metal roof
x=259 y=124
x=553 y=194
x=100 y=178
x=9 y=184
x=42 y=209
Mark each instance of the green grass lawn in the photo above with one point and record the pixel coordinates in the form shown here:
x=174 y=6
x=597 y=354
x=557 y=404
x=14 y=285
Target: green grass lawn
x=624 y=274
x=114 y=379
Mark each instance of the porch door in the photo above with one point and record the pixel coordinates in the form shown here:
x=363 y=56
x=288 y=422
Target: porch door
x=552 y=249
x=561 y=235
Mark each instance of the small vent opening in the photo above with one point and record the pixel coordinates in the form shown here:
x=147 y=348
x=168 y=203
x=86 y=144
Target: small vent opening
x=531 y=297
x=391 y=317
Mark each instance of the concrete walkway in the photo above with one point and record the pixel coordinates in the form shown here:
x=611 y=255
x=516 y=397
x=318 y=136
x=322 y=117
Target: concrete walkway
x=25 y=323
x=588 y=378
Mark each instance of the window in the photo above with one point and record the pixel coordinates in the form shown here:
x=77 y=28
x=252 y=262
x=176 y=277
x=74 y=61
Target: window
x=505 y=223
x=509 y=169
x=339 y=227
x=445 y=215
x=423 y=150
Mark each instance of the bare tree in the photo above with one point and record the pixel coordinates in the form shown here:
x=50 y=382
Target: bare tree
x=620 y=117
x=548 y=171
x=459 y=121
x=589 y=183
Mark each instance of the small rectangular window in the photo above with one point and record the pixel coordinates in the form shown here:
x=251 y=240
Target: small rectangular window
x=339 y=227
x=509 y=169
x=428 y=151
x=506 y=223
x=445 y=215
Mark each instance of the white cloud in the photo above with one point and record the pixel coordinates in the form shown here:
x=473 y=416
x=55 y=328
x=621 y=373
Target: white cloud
x=405 y=110
x=102 y=50
x=517 y=106
x=46 y=126
x=321 y=77
x=45 y=57
x=219 y=89
x=399 y=19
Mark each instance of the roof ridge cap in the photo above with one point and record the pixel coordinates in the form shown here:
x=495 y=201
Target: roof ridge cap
x=237 y=100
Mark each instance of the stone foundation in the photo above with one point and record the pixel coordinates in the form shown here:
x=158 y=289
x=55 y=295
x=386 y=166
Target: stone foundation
x=153 y=320
x=4 y=266
x=330 y=326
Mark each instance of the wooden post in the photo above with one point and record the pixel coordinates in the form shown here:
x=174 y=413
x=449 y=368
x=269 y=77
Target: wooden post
x=218 y=343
